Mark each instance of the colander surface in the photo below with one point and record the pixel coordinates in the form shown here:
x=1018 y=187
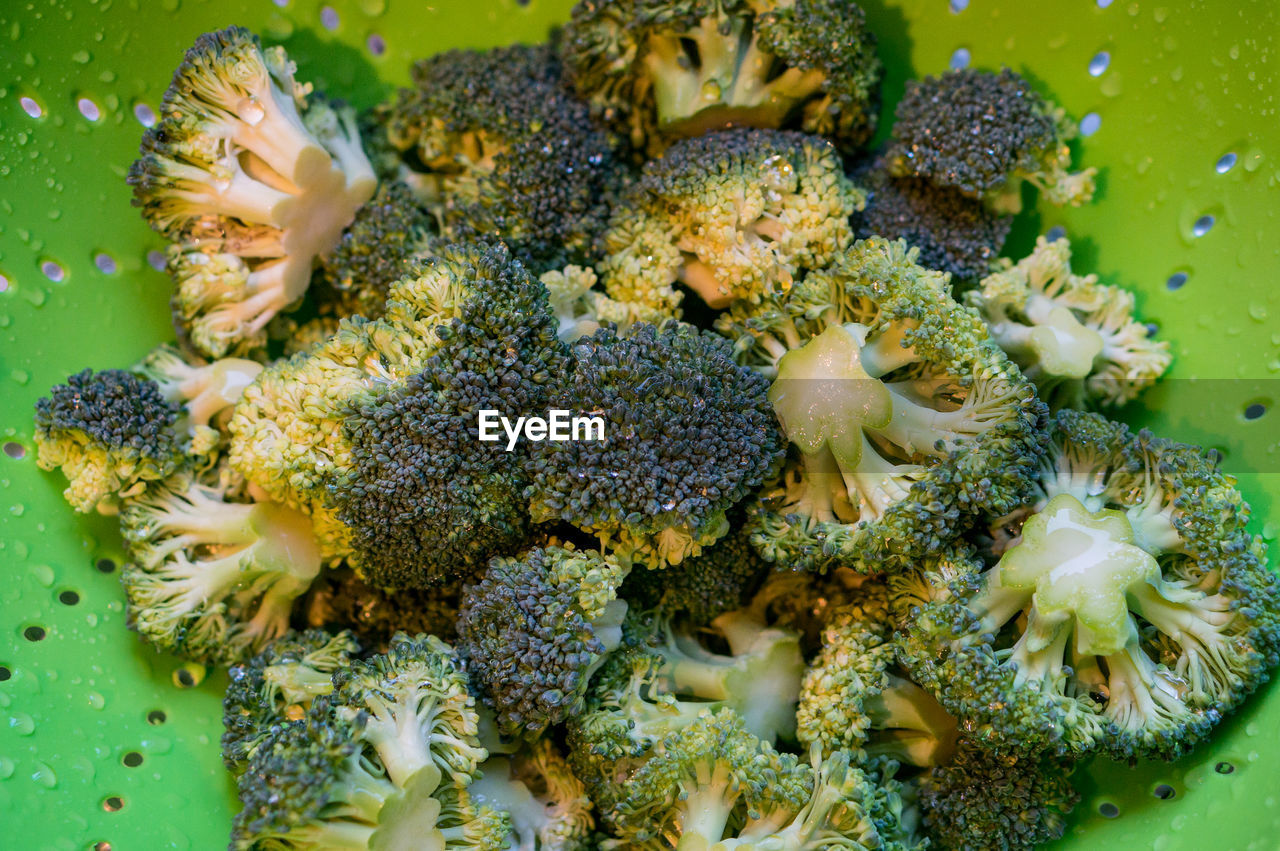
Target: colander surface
x=106 y=745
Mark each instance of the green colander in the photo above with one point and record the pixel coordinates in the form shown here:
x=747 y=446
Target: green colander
x=105 y=744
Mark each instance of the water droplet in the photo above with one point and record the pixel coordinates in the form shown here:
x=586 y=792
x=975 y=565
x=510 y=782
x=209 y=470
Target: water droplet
x=95 y=700
x=81 y=57
x=18 y=509
x=1258 y=312
x=22 y=724
x=6 y=768
x=30 y=107
x=959 y=59
x=329 y=18
x=43 y=574
x=1225 y=163
x=1098 y=64
x=145 y=114
x=250 y=111
x=710 y=91
x=373 y=8
x=44 y=775
x=1090 y=124
x=1202 y=226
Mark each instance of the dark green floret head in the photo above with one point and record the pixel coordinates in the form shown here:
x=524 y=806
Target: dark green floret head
x=110 y=432
x=687 y=435
x=535 y=628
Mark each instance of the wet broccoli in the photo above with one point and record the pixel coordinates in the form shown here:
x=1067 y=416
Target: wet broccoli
x=664 y=69
x=494 y=147
x=984 y=134
x=252 y=179
x=733 y=215
x=687 y=434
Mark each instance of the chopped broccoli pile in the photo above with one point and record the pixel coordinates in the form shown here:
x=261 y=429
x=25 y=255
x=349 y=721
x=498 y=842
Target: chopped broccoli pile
x=506 y=545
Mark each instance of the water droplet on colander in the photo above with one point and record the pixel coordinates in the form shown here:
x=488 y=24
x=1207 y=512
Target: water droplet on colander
x=373 y=8
x=1225 y=163
x=43 y=574
x=82 y=57
x=959 y=59
x=95 y=700
x=1098 y=64
x=145 y=114
x=6 y=768
x=1203 y=225
x=43 y=775
x=22 y=724
x=250 y=111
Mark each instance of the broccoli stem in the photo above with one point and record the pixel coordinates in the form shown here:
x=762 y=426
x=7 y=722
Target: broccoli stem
x=1198 y=626
x=878 y=482
x=706 y=809
x=888 y=351
x=298 y=682
x=910 y=723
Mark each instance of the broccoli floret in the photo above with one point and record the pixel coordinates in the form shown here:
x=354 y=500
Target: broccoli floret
x=1077 y=339
x=252 y=180
x=904 y=416
x=547 y=804
x=722 y=578
x=662 y=69
x=374 y=252
x=687 y=434
x=664 y=677
x=803 y=601
x=582 y=310
x=712 y=784
x=110 y=432
x=1130 y=612
x=277 y=686
x=733 y=215
x=983 y=134
x=854 y=698
x=425 y=498
x=1002 y=804
x=374 y=431
x=495 y=147
x=955 y=234
x=212 y=580
x=340 y=599
x=535 y=628
x=383 y=762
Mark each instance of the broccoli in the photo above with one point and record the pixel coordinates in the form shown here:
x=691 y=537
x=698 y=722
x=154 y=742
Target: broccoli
x=424 y=498
x=382 y=762
x=712 y=784
x=663 y=69
x=664 y=677
x=548 y=805
x=277 y=686
x=582 y=310
x=854 y=698
x=346 y=431
x=804 y=601
x=955 y=233
x=251 y=179
x=208 y=579
x=494 y=147
x=904 y=416
x=723 y=578
x=374 y=252
x=204 y=392
x=111 y=432
x=1077 y=339
x=1002 y=804
x=535 y=628
x=984 y=134
x=1128 y=614
x=341 y=599
x=733 y=215
x=687 y=434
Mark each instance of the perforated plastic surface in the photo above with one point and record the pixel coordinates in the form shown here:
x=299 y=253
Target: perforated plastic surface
x=104 y=744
